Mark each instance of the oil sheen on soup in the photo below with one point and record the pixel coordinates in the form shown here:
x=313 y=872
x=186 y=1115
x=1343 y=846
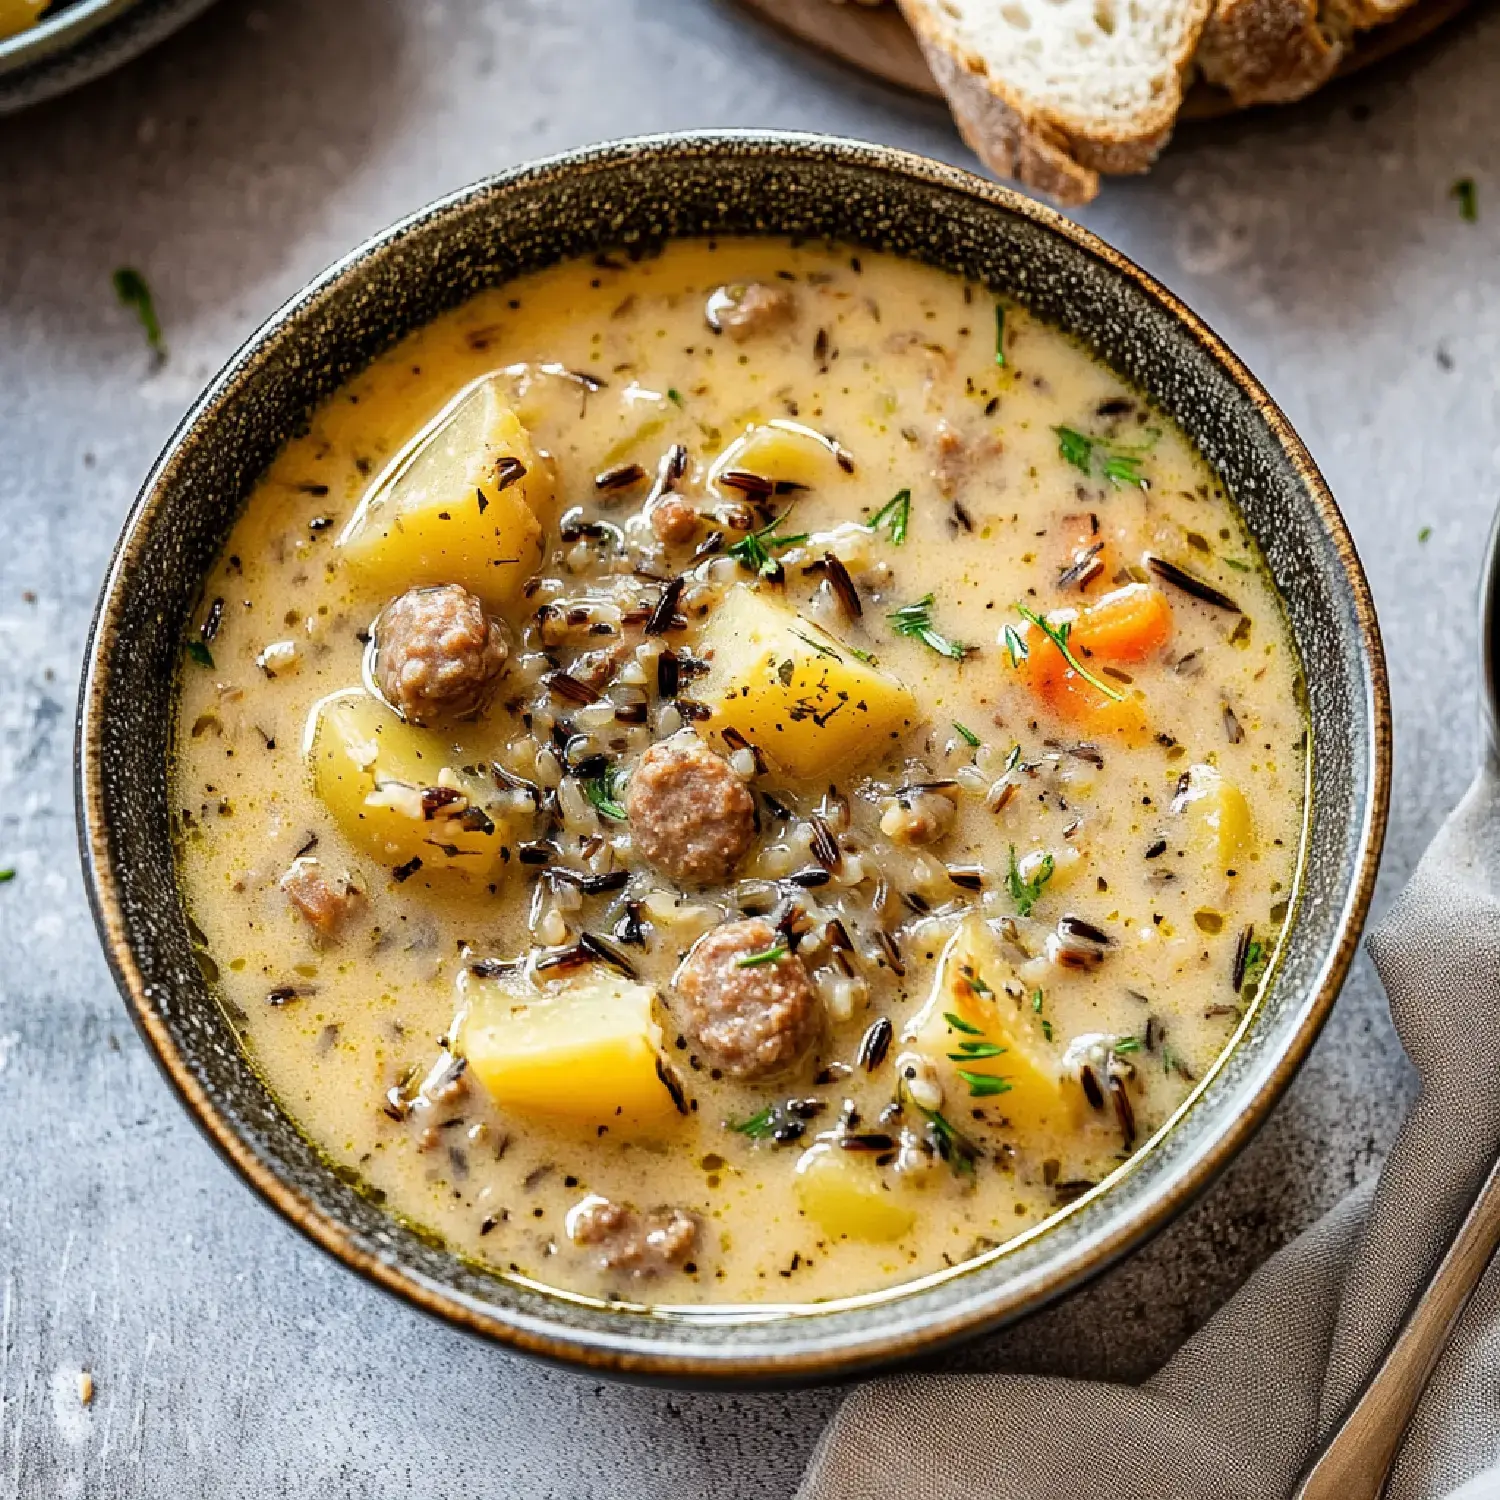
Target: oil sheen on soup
x=753 y=773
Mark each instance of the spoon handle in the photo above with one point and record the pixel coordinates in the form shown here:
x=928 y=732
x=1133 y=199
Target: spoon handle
x=1353 y=1461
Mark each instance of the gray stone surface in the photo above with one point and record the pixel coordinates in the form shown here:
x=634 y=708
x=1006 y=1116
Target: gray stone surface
x=229 y=1358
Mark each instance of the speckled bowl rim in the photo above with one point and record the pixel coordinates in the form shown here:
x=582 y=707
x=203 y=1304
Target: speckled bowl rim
x=81 y=43
x=631 y=1353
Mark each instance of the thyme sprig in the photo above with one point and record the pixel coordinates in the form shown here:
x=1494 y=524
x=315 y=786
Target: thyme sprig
x=1058 y=635
x=1120 y=466
x=916 y=620
x=1026 y=891
x=894 y=515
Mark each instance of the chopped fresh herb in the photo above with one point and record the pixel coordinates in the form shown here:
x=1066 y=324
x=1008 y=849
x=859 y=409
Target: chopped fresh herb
x=1126 y=1044
x=758 y=1126
x=753 y=551
x=1058 y=635
x=959 y=1024
x=1257 y=960
x=1015 y=646
x=916 y=620
x=1000 y=334
x=1012 y=760
x=979 y=986
x=1047 y=1028
x=1120 y=466
x=966 y=734
x=200 y=653
x=133 y=292
x=868 y=657
x=1236 y=564
x=780 y=1123
x=674 y=396
x=777 y=951
x=894 y=515
x=1468 y=199
x=818 y=646
x=1025 y=893
x=973 y=1051
x=984 y=1085
x=603 y=792
x=1037 y=1000
x=7 y=875
x=952 y=1144
x=1424 y=533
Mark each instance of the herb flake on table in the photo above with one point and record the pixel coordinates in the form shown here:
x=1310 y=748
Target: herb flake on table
x=915 y=620
x=1468 y=199
x=7 y=875
x=134 y=292
x=1424 y=533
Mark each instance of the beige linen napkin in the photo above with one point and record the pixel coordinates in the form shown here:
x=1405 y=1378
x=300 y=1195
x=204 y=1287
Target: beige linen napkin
x=1234 y=1415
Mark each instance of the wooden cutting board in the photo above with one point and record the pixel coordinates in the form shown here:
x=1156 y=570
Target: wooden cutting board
x=875 y=40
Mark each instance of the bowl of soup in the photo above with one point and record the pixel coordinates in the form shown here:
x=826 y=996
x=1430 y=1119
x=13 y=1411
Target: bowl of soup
x=725 y=758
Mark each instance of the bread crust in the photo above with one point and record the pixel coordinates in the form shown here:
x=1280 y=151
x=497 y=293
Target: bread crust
x=1023 y=139
x=1271 y=51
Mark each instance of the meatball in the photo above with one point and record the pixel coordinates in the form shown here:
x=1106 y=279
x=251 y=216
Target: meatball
x=674 y=520
x=690 y=815
x=438 y=655
x=746 y=312
x=643 y=1244
x=751 y=1015
x=323 y=904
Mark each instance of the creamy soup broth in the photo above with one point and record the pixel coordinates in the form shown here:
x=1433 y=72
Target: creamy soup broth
x=969 y=923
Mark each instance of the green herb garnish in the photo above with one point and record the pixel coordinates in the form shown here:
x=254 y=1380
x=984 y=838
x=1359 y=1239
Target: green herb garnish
x=999 y=334
x=916 y=620
x=133 y=292
x=1257 y=961
x=200 y=653
x=973 y=1051
x=1424 y=533
x=1126 y=1044
x=1120 y=466
x=1027 y=892
x=674 y=396
x=818 y=646
x=868 y=657
x=983 y=1085
x=1015 y=645
x=7 y=875
x=1037 y=999
x=959 y=1024
x=754 y=550
x=777 y=950
x=1236 y=564
x=952 y=1144
x=966 y=734
x=758 y=1126
x=894 y=515
x=603 y=792
x=1468 y=199
x=1058 y=635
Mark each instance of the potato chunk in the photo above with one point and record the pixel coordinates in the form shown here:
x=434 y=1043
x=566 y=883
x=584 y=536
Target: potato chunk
x=844 y=1194
x=968 y=1015
x=794 y=690
x=785 y=451
x=399 y=792
x=588 y=1051
x=1217 y=816
x=464 y=502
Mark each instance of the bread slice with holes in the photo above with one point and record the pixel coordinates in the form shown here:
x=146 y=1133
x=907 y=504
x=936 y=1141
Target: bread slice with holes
x=1054 y=92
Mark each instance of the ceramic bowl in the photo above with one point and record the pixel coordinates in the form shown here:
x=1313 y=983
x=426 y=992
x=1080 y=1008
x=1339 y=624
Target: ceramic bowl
x=635 y=194
x=80 y=41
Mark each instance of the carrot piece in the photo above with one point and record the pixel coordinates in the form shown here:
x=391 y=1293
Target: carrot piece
x=1127 y=625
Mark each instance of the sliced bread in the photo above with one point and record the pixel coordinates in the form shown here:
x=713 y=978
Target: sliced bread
x=1053 y=92
x=1271 y=51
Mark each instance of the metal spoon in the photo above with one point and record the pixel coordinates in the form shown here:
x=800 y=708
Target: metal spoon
x=1354 y=1460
